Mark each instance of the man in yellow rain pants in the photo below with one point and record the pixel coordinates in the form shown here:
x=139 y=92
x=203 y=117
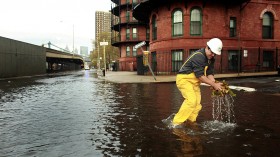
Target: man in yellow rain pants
x=199 y=67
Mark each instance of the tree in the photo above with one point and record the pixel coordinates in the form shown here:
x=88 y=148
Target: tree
x=93 y=57
x=112 y=53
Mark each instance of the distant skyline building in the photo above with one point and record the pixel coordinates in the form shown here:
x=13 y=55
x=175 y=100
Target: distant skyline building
x=84 y=50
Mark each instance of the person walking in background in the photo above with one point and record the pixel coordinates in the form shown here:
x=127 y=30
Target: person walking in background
x=199 y=67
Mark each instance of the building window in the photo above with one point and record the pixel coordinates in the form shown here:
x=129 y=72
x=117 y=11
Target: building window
x=148 y=33
x=177 y=60
x=134 y=51
x=127 y=51
x=127 y=16
x=134 y=33
x=177 y=23
x=154 y=28
x=267 y=30
x=127 y=34
x=232 y=27
x=196 y=22
x=268 y=59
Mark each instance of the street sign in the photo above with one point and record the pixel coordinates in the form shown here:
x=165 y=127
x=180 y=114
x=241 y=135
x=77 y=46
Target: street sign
x=145 y=58
x=140 y=44
x=103 y=43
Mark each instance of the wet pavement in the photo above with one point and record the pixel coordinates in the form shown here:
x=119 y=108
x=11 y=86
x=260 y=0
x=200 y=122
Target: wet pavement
x=81 y=114
x=132 y=77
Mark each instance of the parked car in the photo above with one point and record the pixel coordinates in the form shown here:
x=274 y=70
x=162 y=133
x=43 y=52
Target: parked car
x=86 y=67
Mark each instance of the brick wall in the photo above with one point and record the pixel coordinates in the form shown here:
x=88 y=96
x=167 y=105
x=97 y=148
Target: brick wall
x=215 y=21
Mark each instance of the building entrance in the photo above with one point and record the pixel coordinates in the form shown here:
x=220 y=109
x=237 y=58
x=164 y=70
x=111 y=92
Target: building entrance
x=233 y=60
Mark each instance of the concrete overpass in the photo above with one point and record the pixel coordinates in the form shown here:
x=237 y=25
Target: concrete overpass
x=62 y=61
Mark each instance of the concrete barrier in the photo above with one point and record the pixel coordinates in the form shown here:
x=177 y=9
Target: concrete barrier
x=21 y=59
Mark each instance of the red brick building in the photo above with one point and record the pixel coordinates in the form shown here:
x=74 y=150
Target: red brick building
x=249 y=29
x=127 y=32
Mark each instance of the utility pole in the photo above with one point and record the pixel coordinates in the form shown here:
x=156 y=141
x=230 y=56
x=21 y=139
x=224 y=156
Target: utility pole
x=104 y=44
x=73 y=41
x=98 y=58
x=104 y=56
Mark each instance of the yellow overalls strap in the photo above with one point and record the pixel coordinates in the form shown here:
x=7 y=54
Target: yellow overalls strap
x=205 y=69
x=189 y=59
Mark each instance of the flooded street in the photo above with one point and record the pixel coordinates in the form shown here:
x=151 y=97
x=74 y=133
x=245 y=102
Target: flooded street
x=79 y=114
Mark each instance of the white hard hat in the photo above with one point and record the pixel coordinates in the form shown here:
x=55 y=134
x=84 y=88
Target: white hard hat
x=216 y=45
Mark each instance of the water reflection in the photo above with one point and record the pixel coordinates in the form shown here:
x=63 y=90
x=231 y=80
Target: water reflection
x=190 y=144
x=81 y=115
x=132 y=128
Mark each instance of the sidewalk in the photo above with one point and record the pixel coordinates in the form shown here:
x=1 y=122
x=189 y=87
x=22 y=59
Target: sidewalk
x=132 y=77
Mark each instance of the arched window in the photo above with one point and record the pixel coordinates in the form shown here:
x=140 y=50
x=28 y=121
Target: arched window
x=196 y=22
x=154 y=28
x=177 y=23
x=267 y=26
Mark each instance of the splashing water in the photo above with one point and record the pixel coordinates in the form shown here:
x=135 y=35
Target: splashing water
x=210 y=127
x=206 y=127
x=223 y=118
x=223 y=115
x=223 y=108
x=222 y=111
x=168 y=121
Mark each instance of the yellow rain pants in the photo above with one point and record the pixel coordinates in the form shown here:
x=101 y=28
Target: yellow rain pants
x=189 y=86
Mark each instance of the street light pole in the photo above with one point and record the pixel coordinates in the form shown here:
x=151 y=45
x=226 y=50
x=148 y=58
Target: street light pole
x=98 y=58
x=104 y=56
x=104 y=44
x=73 y=41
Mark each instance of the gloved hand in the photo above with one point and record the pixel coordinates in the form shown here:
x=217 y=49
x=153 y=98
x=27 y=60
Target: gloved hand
x=225 y=90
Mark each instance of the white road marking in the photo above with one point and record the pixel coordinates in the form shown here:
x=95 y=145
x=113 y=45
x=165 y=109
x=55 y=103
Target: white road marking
x=239 y=88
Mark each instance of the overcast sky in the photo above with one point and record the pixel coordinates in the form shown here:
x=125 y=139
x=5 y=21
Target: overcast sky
x=40 y=21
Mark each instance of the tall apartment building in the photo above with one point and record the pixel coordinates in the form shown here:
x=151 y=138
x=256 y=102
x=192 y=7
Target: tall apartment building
x=102 y=23
x=127 y=32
